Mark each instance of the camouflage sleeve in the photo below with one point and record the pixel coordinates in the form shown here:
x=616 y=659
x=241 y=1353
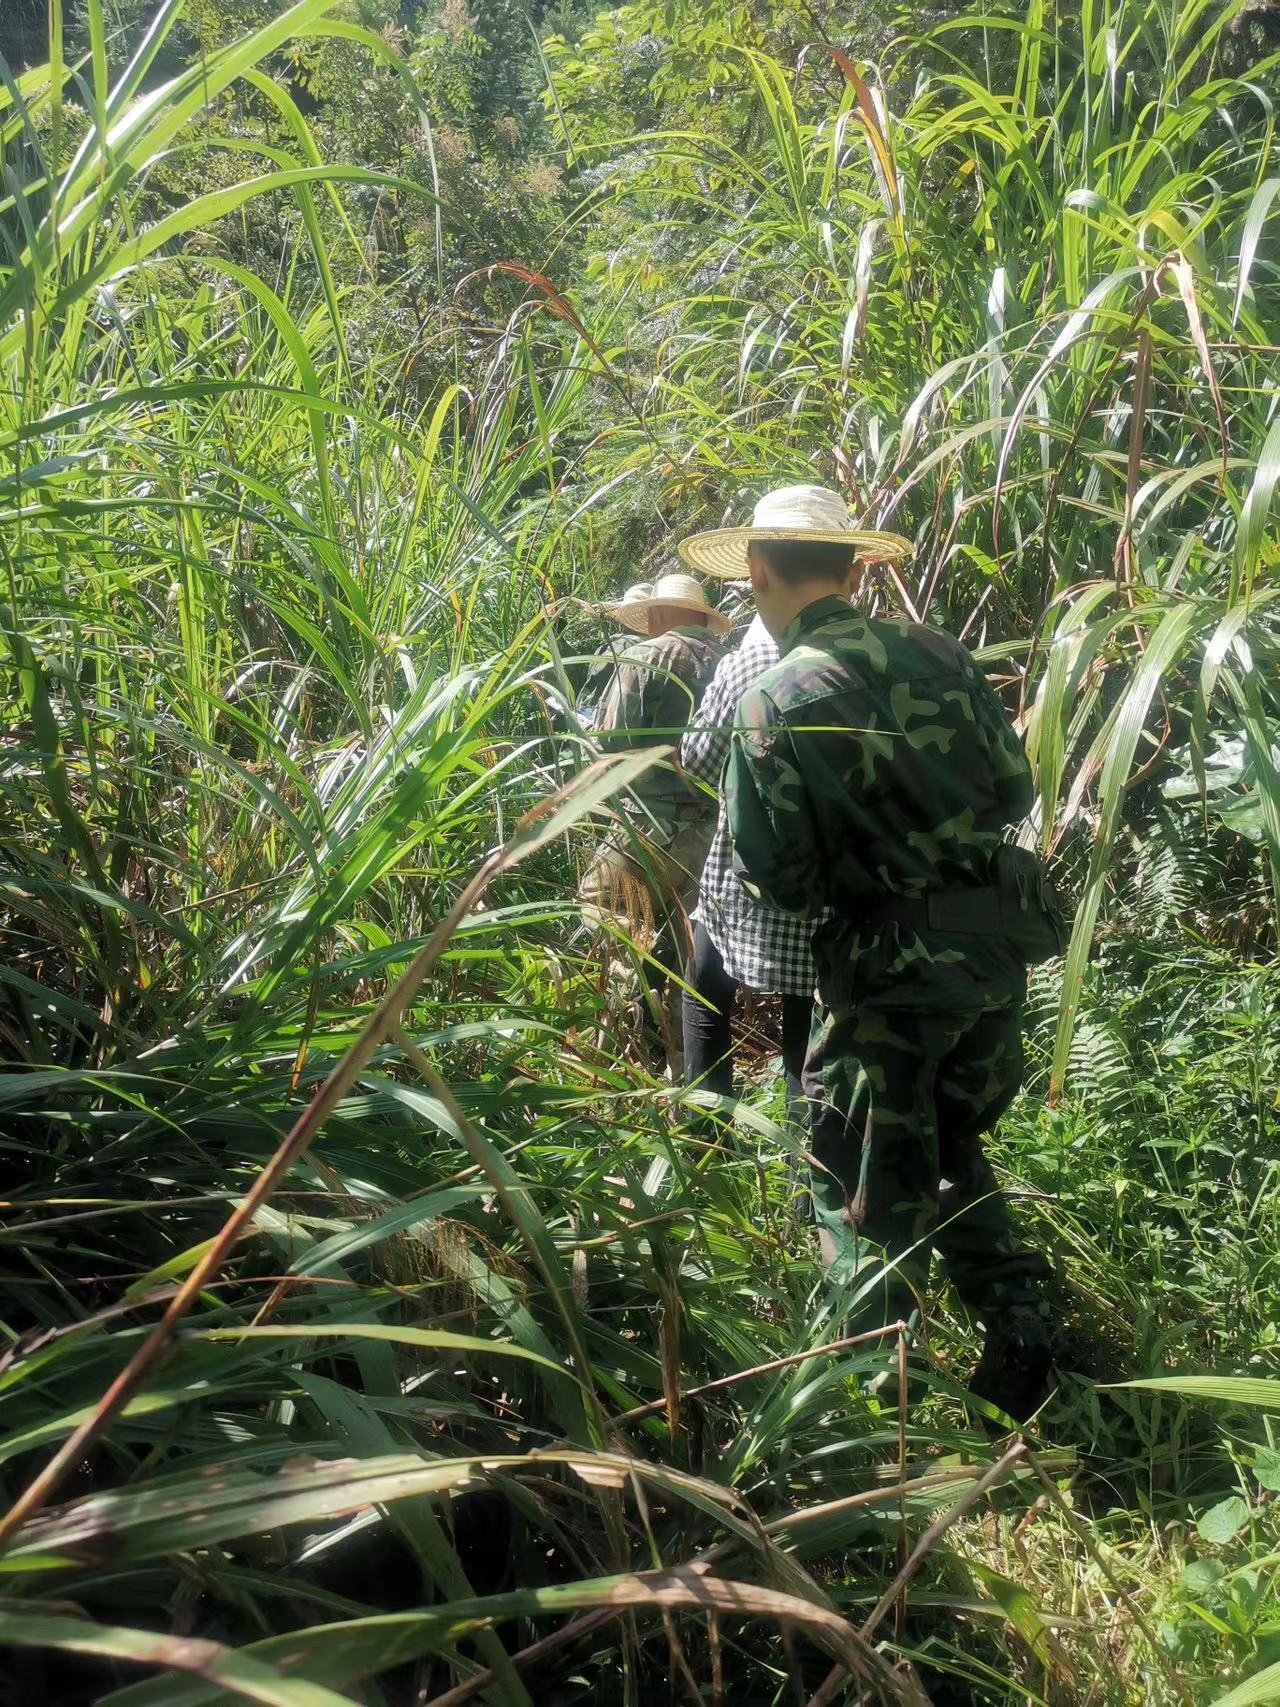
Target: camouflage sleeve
x=636 y=684
x=775 y=847
x=652 y=697
x=598 y=681
x=624 y=705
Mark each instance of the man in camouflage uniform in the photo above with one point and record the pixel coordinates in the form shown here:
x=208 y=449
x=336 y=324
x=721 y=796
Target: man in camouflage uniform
x=600 y=676
x=874 y=772
x=645 y=874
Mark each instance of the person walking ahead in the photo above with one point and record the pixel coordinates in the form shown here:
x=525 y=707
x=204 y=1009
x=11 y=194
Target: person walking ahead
x=601 y=674
x=738 y=939
x=874 y=772
x=645 y=874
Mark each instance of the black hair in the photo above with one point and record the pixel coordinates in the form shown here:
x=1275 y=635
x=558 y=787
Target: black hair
x=798 y=560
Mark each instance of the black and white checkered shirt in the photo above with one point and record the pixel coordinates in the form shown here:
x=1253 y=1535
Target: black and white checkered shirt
x=760 y=947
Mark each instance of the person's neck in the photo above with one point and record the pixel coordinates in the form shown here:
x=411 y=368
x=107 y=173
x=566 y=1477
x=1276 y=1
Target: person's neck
x=788 y=602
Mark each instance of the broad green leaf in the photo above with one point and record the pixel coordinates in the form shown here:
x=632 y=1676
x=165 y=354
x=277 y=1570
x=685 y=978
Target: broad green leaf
x=1224 y=1521
x=173 y=1269
x=1230 y=1389
x=340 y=1247
x=1262 y=1687
x=1165 y=646
x=56 y=1428
x=1256 y=515
x=1202 y=1578
x=237 y=1674
x=430 y=1339
x=141 y=1522
x=343 y=1652
x=1259 y=208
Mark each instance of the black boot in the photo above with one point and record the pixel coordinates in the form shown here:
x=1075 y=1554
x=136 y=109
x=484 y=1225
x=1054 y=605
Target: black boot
x=1015 y=1371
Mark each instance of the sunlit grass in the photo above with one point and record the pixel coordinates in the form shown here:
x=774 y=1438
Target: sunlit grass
x=280 y=677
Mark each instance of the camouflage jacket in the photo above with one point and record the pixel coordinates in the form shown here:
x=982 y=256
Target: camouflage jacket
x=600 y=676
x=874 y=761
x=649 y=703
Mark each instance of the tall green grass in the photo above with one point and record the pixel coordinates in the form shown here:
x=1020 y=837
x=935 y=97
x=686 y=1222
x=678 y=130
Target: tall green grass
x=278 y=678
x=1022 y=304
x=336 y=1174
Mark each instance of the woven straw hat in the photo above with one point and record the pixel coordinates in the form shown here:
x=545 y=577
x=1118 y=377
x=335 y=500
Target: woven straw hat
x=812 y=513
x=632 y=610
x=636 y=594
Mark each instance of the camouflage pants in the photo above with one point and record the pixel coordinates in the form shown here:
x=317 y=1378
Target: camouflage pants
x=898 y=1105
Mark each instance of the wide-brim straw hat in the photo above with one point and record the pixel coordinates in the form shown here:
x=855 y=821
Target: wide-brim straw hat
x=814 y=514
x=680 y=590
x=636 y=594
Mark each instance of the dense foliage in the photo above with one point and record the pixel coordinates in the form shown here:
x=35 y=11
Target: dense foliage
x=362 y=1287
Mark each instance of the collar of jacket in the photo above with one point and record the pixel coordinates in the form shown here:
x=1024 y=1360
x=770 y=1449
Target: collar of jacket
x=689 y=631
x=811 y=617
x=644 y=645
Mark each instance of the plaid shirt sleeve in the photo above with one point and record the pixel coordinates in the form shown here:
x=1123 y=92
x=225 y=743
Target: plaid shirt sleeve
x=705 y=745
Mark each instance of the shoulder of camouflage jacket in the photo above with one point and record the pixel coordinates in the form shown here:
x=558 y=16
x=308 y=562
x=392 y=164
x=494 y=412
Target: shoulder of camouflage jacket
x=855 y=652
x=673 y=649
x=908 y=670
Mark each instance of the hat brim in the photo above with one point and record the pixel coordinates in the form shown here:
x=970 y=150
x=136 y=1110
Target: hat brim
x=723 y=552
x=635 y=615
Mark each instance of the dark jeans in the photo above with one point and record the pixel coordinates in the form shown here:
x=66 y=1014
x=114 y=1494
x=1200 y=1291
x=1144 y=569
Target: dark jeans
x=708 y=1045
